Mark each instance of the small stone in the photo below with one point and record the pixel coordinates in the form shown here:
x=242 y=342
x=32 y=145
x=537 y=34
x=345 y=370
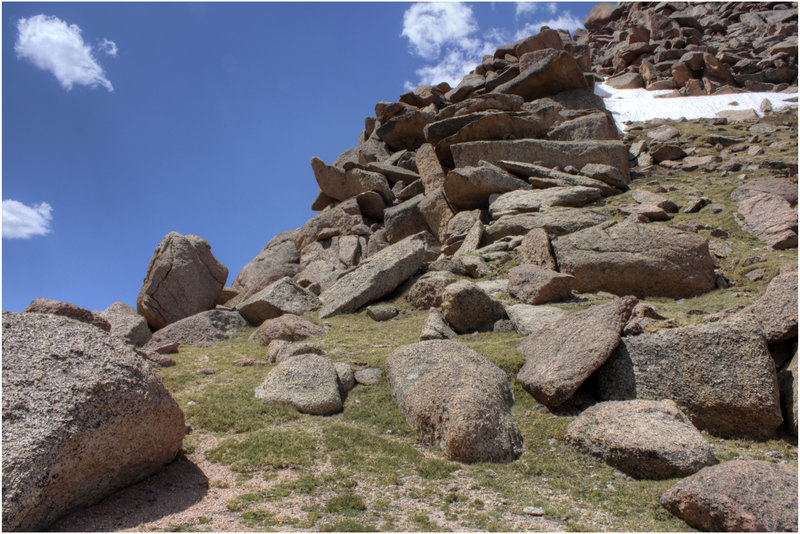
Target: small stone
x=381 y=312
x=756 y=275
x=533 y=510
x=371 y=376
x=248 y=362
x=168 y=348
x=208 y=371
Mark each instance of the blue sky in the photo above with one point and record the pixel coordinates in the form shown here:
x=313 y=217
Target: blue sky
x=122 y=122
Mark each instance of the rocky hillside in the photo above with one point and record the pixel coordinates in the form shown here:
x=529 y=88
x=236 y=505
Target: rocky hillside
x=506 y=315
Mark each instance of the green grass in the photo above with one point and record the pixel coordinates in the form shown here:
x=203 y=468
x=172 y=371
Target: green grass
x=345 y=504
x=276 y=448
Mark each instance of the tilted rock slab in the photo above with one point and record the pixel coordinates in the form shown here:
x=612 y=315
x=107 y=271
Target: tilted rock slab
x=720 y=374
x=543 y=152
x=65 y=309
x=643 y=438
x=183 y=278
x=547 y=72
x=768 y=217
x=776 y=310
x=527 y=319
x=308 y=383
x=204 y=327
x=560 y=358
x=737 y=496
x=374 y=278
x=283 y=296
x=636 y=259
x=469 y=188
x=454 y=396
x=341 y=185
x=127 y=324
x=83 y=416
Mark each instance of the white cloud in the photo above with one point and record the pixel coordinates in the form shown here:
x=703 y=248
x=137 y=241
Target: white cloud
x=447 y=34
x=21 y=221
x=524 y=9
x=431 y=26
x=108 y=47
x=566 y=21
x=55 y=46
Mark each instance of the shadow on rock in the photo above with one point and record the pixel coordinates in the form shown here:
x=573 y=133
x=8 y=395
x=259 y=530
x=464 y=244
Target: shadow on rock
x=175 y=488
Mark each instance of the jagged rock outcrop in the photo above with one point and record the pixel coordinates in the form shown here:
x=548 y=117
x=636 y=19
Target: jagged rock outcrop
x=183 y=278
x=79 y=412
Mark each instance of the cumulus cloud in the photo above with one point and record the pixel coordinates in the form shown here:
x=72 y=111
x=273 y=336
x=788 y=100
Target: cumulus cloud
x=524 y=9
x=57 y=47
x=565 y=21
x=108 y=47
x=22 y=222
x=446 y=36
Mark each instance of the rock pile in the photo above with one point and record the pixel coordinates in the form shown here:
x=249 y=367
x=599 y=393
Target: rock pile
x=695 y=48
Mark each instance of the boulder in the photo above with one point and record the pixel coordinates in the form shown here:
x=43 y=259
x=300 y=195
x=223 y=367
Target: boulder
x=430 y=169
x=79 y=410
x=280 y=350
x=468 y=308
x=427 y=290
x=720 y=374
x=335 y=220
x=528 y=319
x=127 y=324
x=534 y=285
x=543 y=152
x=308 y=383
x=437 y=212
x=787 y=383
x=204 y=327
x=277 y=259
x=543 y=177
x=770 y=185
x=560 y=358
x=769 y=217
x=287 y=327
x=404 y=219
x=636 y=259
x=737 y=496
x=628 y=80
x=468 y=188
x=405 y=130
x=776 y=310
x=346 y=379
x=370 y=376
x=516 y=202
x=594 y=126
x=547 y=72
x=183 y=278
x=643 y=438
x=341 y=185
x=381 y=312
x=435 y=327
x=556 y=222
x=65 y=309
x=535 y=249
x=375 y=277
x=283 y=296
x=601 y=15
x=653 y=199
x=455 y=397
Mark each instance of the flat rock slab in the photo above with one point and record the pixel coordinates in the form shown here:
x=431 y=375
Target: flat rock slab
x=637 y=259
x=455 y=397
x=205 y=327
x=737 y=496
x=771 y=218
x=374 y=278
x=281 y=296
x=308 y=383
x=720 y=374
x=645 y=439
x=528 y=319
x=516 y=202
x=544 y=152
x=560 y=358
x=556 y=222
x=79 y=412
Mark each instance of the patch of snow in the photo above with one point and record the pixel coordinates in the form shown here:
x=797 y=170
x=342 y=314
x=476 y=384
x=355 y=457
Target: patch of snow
x=640 y=105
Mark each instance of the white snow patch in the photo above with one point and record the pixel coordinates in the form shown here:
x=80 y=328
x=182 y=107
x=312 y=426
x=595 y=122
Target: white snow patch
x=640 y=105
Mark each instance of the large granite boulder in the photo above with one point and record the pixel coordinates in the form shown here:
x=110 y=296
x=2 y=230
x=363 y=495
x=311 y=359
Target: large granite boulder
x=183 y=278
x=455 y=397
x=469 y=188
x=342 y=185
x=637 y=259
x=65 y=309
x=282 y=296
x=559 y=358
x=737 y=496
x=375 y=277
x=308 y=383
x=427 y=290
x=277 y=259
x=534 y=285
x=83 y=416
x=776 y=310
x=545 y=72
x=287 y=327
x=720 y=374
x=205 y=327
x=127 y=324
x=468 y=308
x=645 y=439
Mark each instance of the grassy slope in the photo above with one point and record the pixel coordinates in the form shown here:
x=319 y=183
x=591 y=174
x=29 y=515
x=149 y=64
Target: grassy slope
x=364 y=470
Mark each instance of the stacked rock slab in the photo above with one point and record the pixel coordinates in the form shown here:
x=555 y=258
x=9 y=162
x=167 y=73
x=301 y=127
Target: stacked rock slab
x=694 y=48
x=97 y=420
